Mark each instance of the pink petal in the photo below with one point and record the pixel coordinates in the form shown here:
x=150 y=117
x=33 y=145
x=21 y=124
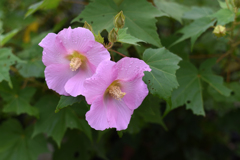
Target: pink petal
x=77 y=39
x=74 y=86
x=136 y=90
x=98 y=83
x=129 y=68
x=97 y=115
x=57 y=75
x=97 y=54
x=53 y=51
x=118 y=113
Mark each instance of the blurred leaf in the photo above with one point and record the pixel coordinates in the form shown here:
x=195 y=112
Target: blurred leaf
x=162 y=79
x=174 y=10
x=45 y=4
x=17 y=144
x=56 y=124
x=33 y=66
x=120 y=134
x=5 y=38
x=123 y=37
x=66 y=101
x=33 y=8
x=7 y=58
x=76 y=147
x=197 y=12
x=18 y=99
x=224 y=16
x=150 y=110
x=190 y=90
x=195 y=29
x=50 y=4
x=235 y=94
x=139 y=25
x=1 y=28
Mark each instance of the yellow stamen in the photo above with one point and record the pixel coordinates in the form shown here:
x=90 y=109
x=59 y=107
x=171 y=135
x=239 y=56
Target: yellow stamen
x=75 y=63
x=116 y=92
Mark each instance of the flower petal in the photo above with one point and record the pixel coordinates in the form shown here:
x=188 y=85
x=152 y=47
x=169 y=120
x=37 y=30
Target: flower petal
x=129 y=68
x=97 y=115
x=136 y=90
x=98 y=83
x=57 y=76
x=53 y=50
x=97 y=54
x=118 y=113
x=74 y=85
x=77 y=39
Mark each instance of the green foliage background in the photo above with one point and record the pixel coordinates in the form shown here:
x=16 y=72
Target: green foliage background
x=192 y=111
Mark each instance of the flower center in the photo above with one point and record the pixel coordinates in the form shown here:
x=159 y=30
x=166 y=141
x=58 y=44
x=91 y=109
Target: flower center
x=75 y=63
x=77 y=60
x=115 y=92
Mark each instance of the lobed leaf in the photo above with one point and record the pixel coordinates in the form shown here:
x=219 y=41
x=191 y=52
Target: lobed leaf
x=140 y=23
x=123 y=37
x=162 y=79
x=7 y=58
x=16 y=143
x=190 y=80
x=56 y=124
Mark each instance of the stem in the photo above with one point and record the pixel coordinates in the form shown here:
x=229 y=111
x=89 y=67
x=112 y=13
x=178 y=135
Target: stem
x=224 y=55
x=227 y=4
x=117 y=52
x=112 y=56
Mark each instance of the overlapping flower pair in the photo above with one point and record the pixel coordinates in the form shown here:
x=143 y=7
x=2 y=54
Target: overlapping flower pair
x=78 y=65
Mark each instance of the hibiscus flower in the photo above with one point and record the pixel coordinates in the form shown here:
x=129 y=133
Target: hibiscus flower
x=70 y=57
x=114 y=91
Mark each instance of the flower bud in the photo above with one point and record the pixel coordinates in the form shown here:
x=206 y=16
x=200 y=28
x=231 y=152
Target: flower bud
x=219 y=31
x=88 y=26
x=119 y=20
x=113 y=36
x=237 y=3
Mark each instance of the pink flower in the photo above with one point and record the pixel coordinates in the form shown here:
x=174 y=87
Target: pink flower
x=70 y=57
x=114 y=91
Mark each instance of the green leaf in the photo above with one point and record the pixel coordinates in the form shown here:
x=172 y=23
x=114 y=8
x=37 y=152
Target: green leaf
x=77 y=147
x=1 y=28
x=17 y=144
x=224 y=16
x=174 y=10
x=223 y=104
x=190 y=89
x=235 y=94
x=120 y=134
x=195 y=29
x=67 y=101
x=33 y=8
x=34 y=66
x=150 y=110
x=56 y=124
x=100 y=14
x=197 y=12
x=123 y=37
x=45 y=4
x=98 y=38
x=162 y=79
x=5 y=38
x=7 y=58
x=18 y=100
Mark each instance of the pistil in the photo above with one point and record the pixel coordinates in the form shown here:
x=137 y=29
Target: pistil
x=75 y=63
x=116 y=92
